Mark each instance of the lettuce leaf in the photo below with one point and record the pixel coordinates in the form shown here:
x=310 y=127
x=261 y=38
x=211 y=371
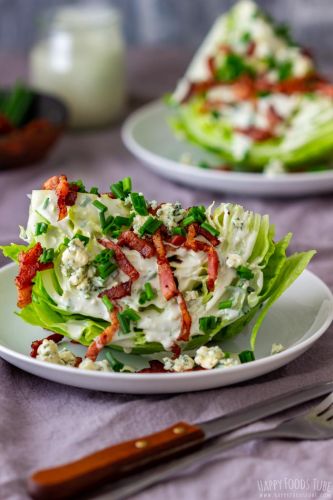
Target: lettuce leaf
x=292 y=267
x=12 y=251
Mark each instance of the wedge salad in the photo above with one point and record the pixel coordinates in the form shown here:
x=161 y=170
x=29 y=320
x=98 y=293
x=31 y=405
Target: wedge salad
x=116 y=272
x=255 y=98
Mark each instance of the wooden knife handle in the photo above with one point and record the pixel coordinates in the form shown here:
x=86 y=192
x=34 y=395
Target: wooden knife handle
x=112 y=463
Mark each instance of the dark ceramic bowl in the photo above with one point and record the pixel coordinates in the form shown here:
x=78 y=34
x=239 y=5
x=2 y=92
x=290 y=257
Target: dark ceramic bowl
x=46 y=120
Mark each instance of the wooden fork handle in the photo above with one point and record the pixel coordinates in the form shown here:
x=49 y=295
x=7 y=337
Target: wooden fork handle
x=112 y=463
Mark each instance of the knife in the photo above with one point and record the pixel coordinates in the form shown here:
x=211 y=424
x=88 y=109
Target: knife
x=115 y=462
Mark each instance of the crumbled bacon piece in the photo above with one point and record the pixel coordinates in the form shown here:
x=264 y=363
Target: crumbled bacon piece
x=119 y=291
x=154 y=367
x=176 y=350
x=186 y=319
x=251 y=48
x=167 y=281
x=211 y=66
x=105 y=337
x=56 y=337
x=28 y=266
x=273 y=117
x=177 y=240
x=255 y=133
x=131 y=240
x=325 y=88
x=66 y=193
x=78 y=361
x=121 y=259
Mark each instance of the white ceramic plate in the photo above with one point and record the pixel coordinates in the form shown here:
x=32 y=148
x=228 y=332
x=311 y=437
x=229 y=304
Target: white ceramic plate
x=297 y=320
x=147 y=135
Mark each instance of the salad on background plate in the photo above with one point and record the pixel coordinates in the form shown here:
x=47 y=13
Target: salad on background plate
x=115 y=272
x=253 y=97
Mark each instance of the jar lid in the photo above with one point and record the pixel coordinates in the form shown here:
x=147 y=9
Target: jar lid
x=84 y=16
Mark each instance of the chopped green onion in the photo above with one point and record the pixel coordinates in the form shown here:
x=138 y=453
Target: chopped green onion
x=122 y=221
x=246 y=37
x=107 y=303
x=104 y=270
x=225 y=304
x=149 y=291
x=116 y=234
x=116 y=365
x=139 y=204
x=46 y=203
x=208 y=323
x=81 y=237
x=100 y=206
x=188 y=220
x=195 y=214
x=122 y=188
x=210 y=229
x=127 y=185
x=102 y=219
x=104 y=256
x=41 y=227
x=117 y=190
x=244 y=272
x=215 y=114
x=47 y=256
x=246 y=356
x=178 y=230
x=150 y=226
x=94 y=190
x=104 y=263
x=124 y=323
x=142 y=298
x=131 y=314
x=66 y=241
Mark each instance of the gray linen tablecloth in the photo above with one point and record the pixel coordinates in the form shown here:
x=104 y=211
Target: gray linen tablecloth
x=44 y=423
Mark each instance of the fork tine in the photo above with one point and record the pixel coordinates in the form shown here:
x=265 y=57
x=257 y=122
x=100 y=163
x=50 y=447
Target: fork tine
x=328 y=414
x=323 y=405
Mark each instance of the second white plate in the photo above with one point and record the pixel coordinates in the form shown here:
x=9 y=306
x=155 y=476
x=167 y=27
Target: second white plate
x=296 y=320
x=147 y=135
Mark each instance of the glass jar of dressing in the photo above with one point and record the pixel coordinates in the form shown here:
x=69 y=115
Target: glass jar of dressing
x=80 y=57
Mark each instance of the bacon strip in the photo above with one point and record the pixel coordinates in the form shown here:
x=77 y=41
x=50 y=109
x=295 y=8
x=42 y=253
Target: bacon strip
x=186 y=319
x=56 y=337
x=119 y=291
x=131 y=240
x=66 y=193
x=213 y=260
x=121 y=259
x=213 y=268
x=255 y=133
x=105 y=337
x=28 y=267
x=167 y=280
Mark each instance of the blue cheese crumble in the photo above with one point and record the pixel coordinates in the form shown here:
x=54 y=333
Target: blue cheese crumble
x=49 y=352
x=208 y=357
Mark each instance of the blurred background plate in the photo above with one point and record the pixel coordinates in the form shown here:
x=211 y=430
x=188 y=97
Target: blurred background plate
x=147 y=135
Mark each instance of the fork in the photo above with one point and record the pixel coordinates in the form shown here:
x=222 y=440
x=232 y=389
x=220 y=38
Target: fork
x=314 y=425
